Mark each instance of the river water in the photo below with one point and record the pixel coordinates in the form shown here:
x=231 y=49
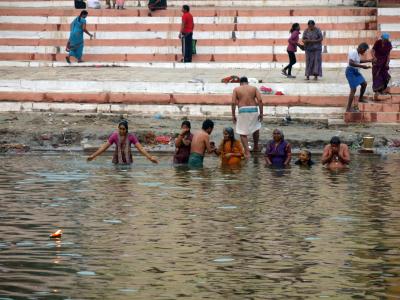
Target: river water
x=159 y=232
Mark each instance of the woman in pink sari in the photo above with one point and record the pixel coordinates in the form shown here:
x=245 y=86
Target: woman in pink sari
x=380 y=64
x=122 y=140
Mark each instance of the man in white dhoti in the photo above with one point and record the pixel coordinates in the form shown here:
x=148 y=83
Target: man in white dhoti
x=249 y=101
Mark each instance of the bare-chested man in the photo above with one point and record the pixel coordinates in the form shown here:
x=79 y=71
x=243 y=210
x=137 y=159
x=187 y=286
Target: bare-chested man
x=249 y=119
x=336 y=155
x=201 y=144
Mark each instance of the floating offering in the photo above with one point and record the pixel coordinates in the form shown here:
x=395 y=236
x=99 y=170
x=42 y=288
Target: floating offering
x=56 y=235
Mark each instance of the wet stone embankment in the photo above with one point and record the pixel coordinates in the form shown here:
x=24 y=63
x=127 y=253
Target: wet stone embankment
x=21 y=132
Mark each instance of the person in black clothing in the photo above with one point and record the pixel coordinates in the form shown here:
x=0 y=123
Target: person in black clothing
x=80 y=4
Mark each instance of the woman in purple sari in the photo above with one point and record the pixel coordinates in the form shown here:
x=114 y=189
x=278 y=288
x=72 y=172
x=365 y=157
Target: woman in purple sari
x=312 y=39
x=279 y=152
x=380 y=64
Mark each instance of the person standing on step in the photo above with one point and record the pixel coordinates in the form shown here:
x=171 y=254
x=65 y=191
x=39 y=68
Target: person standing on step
x=312 y=39
x=354 y=76
x=108 y=3
x=76 y=42
x=186 y=33
x=380 y=64
x=293 y=42
x=249 y=101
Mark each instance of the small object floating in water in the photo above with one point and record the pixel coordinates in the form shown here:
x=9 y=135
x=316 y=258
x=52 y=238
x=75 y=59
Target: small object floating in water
x=56 y=235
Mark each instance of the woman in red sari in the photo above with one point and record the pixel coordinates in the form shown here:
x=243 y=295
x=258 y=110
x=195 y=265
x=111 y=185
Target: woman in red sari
x=380 y=64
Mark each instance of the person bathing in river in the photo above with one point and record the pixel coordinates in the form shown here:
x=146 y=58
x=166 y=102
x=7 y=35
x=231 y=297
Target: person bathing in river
x=304 y=159
x=336 y=155
x=279 y=152
x=122 y=140
x=201 y=144
x=230 y=149
x=182 y=144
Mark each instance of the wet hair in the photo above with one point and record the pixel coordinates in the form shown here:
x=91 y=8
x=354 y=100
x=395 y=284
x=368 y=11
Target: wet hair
x=124 y=123
x=231 y=135
x=280 y=132
x=294 y=27
x=243 y=79
x=363 y=46
x=207 y=124
x=335 y=141
x=308 y=153
x=83 y=13
x=186 y=123
x=186 y=8
x=311 y=22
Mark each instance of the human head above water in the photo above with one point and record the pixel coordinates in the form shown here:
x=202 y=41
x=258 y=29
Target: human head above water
x=277 y=135
x=185 y=125
x=362 y=48
x=243 y=80
x=83 y=14
x=208 y=126
x=305 y=155
x=229 y=134
x=123 y=127
x=185 y=8
x=335 y=143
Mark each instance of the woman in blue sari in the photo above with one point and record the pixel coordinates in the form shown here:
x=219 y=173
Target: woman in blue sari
x=75 y=42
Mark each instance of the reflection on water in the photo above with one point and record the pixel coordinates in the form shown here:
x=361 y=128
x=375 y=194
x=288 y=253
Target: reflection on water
x=158 y=232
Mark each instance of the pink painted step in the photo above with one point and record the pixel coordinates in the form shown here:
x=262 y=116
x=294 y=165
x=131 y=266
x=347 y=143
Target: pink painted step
x=379 y=107
x=372 y=117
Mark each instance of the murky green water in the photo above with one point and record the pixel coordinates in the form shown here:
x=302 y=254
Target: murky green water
x=158 y=232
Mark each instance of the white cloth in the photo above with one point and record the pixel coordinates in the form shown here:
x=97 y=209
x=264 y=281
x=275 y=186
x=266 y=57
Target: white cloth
x=247 y=120
x=94 y=4
x=354 y=56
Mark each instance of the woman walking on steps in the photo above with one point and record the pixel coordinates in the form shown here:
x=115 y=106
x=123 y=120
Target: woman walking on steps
x=293 y=42
x=76 y=43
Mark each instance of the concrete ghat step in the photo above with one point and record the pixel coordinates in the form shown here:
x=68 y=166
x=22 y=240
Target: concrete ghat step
x=178 y=3
x=190 y=110
x=198 y=12
x=379 y=107
x=336 y=53
x=200 y=20
x=372 y=117
x=164 y=87
x=165 y=98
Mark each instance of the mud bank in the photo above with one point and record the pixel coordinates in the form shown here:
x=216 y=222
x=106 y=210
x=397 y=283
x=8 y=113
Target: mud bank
x=76 y=132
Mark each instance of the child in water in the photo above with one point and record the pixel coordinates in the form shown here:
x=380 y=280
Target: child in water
x=304 y=159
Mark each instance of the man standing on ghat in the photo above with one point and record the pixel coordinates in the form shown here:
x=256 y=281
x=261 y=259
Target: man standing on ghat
x=248 y=121
x=186 y=33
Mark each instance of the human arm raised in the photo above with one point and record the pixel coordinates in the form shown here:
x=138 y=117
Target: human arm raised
x=140 y=148
x=99 y=151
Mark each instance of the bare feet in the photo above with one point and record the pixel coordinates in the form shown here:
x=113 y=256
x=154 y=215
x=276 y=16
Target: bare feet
x=362 y=100
x=308 y=78
x=67 y=59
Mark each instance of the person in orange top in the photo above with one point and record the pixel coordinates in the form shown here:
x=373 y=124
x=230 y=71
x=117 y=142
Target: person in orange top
x=230 y=149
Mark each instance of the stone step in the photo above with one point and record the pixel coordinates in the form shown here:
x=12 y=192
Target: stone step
x=194 y=3
x=167 y=98
x=200 y=12
x=379 y=107
x=372 y=117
